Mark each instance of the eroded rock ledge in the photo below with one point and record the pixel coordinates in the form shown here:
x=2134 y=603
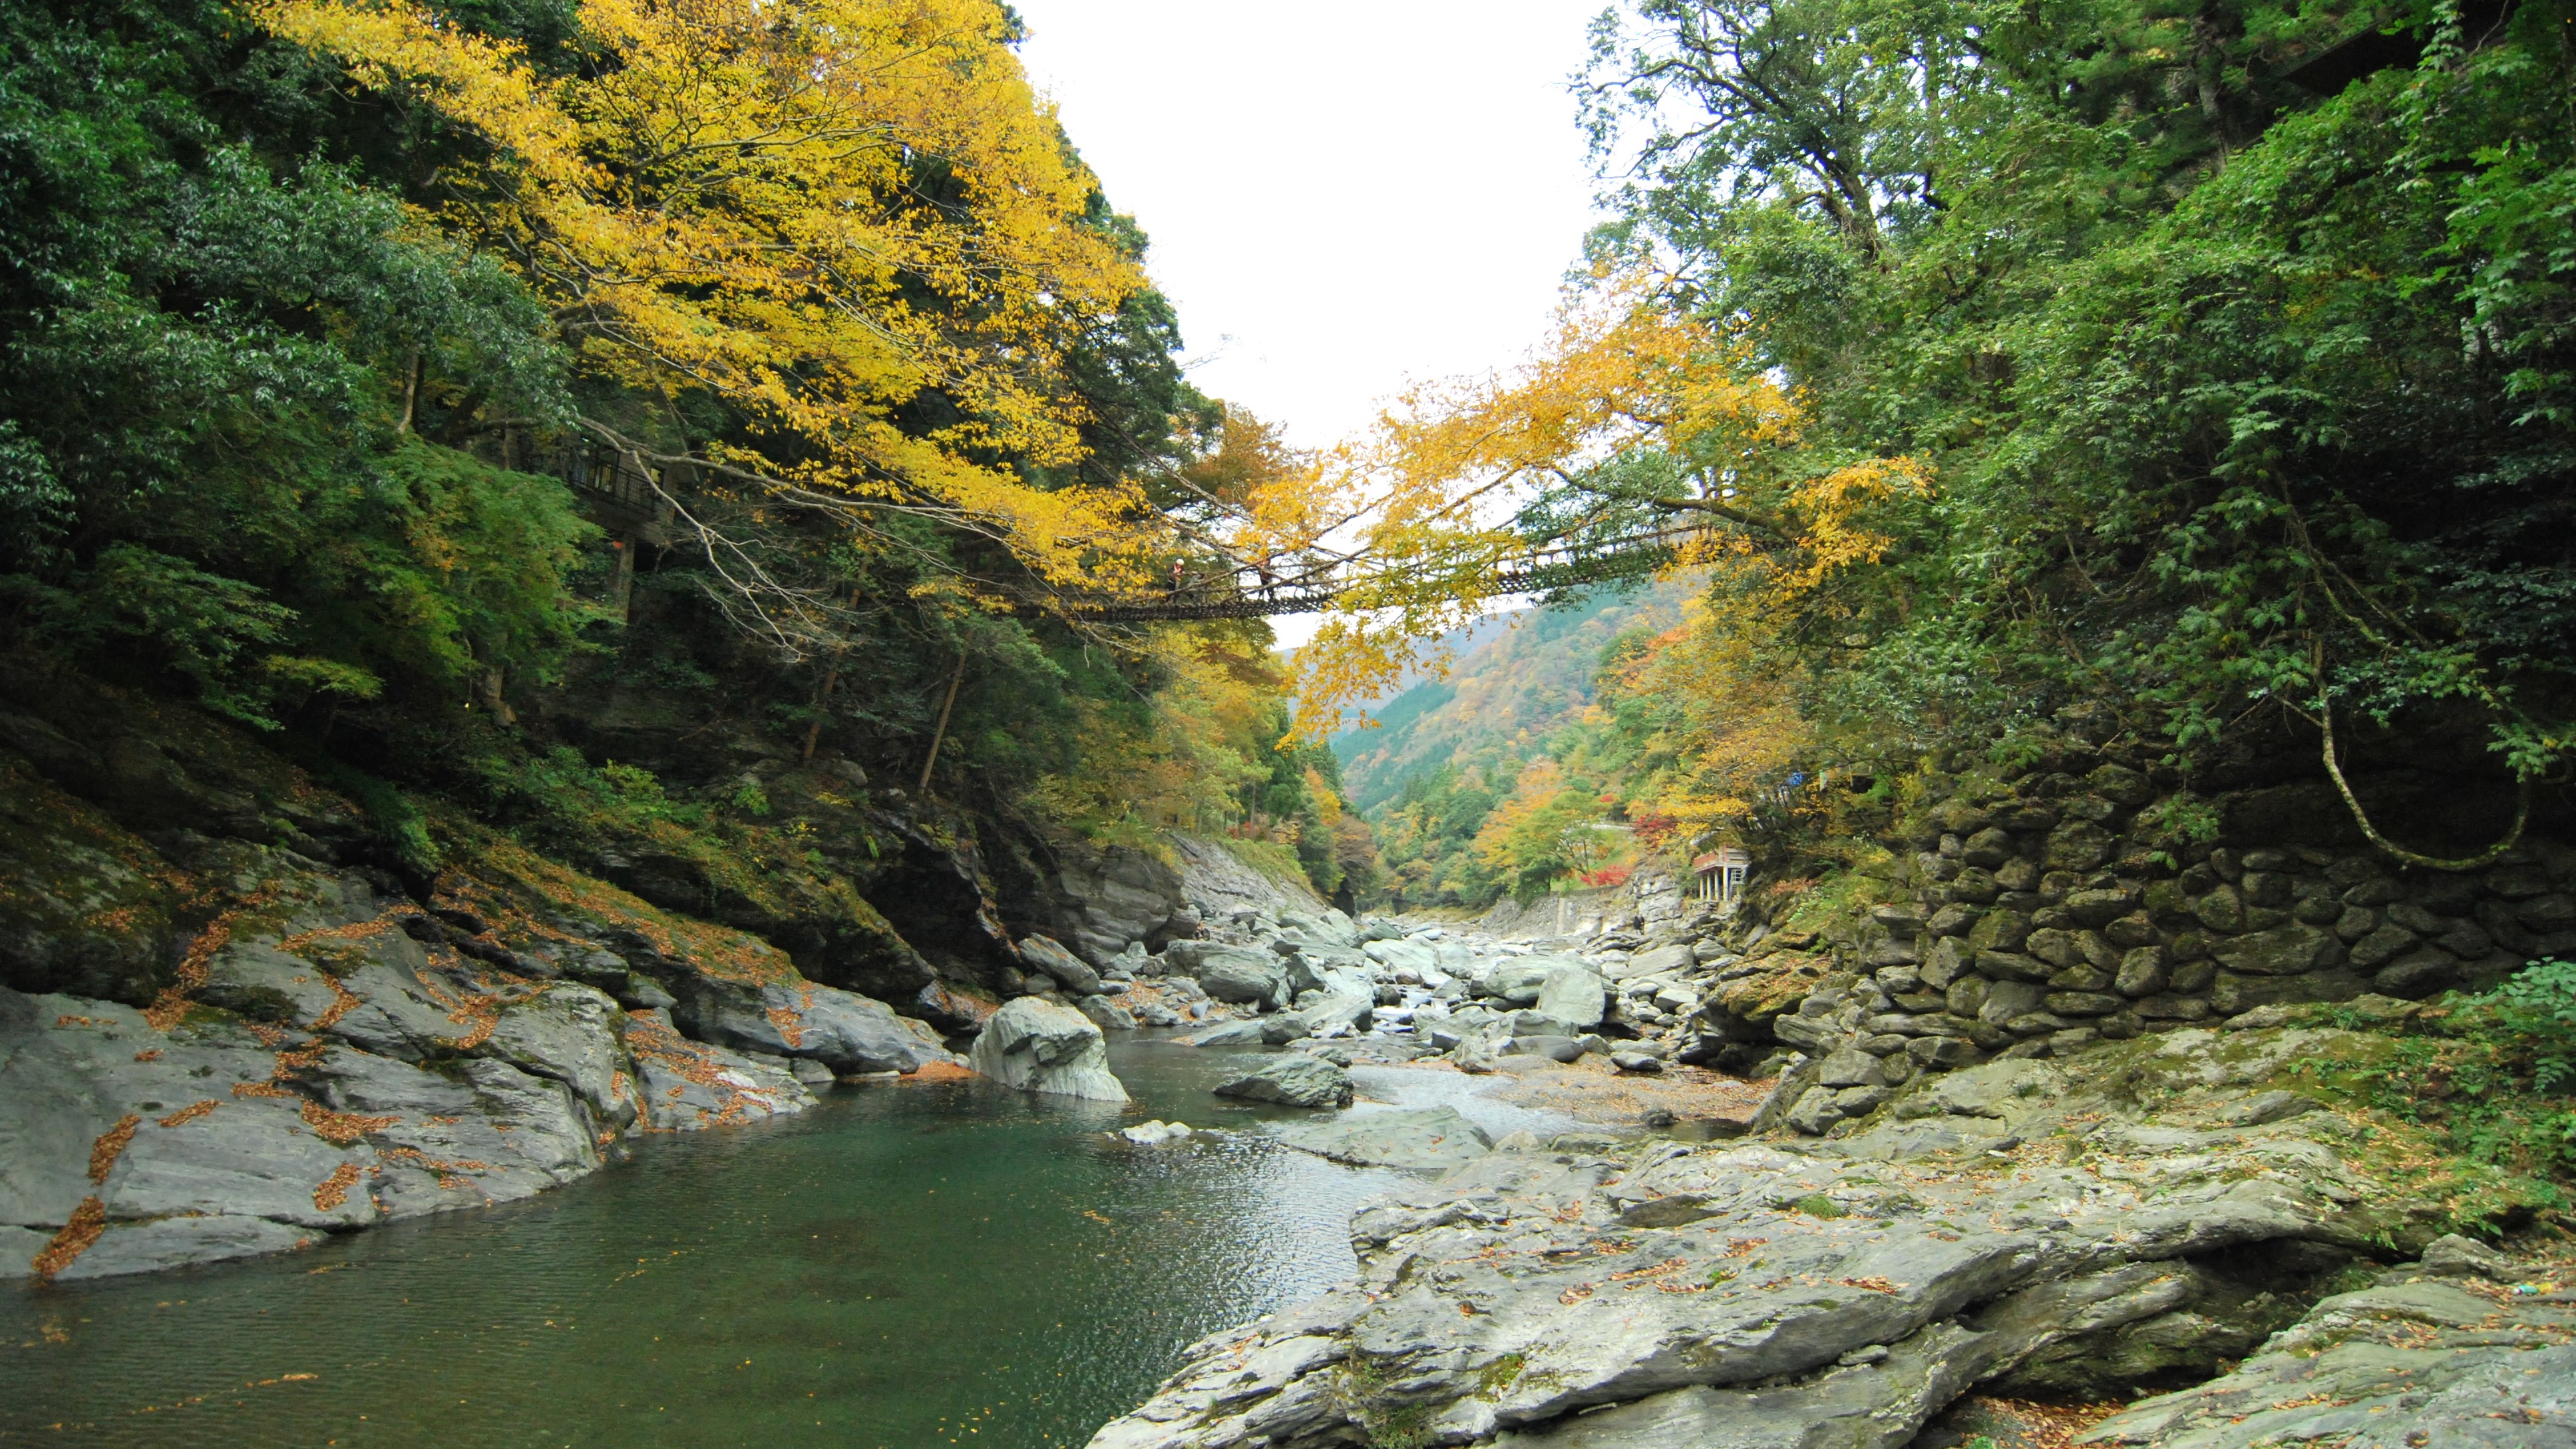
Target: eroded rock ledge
x=330 y=1052
x=2131 y=1219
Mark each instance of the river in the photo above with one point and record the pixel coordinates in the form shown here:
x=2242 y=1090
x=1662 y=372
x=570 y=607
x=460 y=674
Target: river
x=906 y=1265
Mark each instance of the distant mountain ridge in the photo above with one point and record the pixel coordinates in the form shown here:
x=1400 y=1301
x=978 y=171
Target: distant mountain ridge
x=1529 y=673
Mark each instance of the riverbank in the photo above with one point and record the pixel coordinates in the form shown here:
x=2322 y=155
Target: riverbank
x=2147 y=1216
x=2246 y=1229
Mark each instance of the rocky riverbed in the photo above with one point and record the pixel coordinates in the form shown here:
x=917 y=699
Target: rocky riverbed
x=2153 y=1216
x=2197 y=1236
x=1686 y=1177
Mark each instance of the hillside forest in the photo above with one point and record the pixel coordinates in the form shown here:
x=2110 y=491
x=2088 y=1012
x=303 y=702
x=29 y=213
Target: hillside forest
x=744 y=434
x=2196 y=378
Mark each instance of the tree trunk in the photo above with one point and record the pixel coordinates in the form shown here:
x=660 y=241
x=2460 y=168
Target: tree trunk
x=488 y=685
x=814 y=729
x=941 y=732
x=621 y=581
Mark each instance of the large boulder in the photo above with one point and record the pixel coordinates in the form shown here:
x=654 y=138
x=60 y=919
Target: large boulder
x=1574 y=996
x=1330 y=927
x=1520 y=979
x=1339 y=1011
x=1037 y=1045
x=1415 y=956
x=1292 y=1081
x=1070 y=971
x=1106 y=1011
x=1237 y=975
x=1656 y=961
x=841 y=1029
x=1432 y=1138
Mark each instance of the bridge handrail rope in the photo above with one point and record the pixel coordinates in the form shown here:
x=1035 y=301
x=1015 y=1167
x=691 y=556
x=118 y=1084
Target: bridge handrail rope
x=621 y=476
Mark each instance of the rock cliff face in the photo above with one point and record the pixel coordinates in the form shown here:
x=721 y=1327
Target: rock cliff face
x=1101 y=902
x=227 y=1025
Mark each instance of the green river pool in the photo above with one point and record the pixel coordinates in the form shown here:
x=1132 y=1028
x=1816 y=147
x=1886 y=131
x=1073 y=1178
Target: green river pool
x=906 y=1265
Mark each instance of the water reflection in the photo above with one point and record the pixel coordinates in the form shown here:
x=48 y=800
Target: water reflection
x=907 y=1266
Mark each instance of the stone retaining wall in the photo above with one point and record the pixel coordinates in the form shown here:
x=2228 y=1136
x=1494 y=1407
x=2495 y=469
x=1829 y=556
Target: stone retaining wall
x=2036 y=917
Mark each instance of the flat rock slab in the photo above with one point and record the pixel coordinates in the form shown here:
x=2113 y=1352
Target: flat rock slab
x=1432 y=1138
x=2005 y=1226
x=1245 y=1033
x=2412 y=1363
x=1292 y=1081
x=1865 y=1406
x=177 y=1242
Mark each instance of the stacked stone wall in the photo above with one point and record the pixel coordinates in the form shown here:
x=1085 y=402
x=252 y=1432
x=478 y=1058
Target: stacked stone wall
x=2038 y=916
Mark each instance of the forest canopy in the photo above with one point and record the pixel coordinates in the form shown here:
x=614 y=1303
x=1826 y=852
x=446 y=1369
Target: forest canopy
x=2207 y=366
x=373 y=373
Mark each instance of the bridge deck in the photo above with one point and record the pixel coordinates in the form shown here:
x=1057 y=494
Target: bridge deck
x=624 y=490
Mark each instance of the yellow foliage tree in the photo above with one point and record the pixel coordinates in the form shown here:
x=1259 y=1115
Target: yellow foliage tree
x=1724 y=715
x=820 y=212
x=1429 y=499
x=1546 y=828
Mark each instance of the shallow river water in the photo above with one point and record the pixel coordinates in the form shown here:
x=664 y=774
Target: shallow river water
x=905 y=1265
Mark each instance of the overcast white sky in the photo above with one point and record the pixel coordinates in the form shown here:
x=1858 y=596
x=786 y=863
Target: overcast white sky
x=1343 y=195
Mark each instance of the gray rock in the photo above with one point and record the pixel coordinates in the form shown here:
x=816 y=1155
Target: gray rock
x=1107 y=1013
x=1411 y=956
x=489 y=1133
x=2006 y=1000
x=2399 y=1366
x=1638 y=1062
x=843 y=1030
x=2268 y=1107
x=1070 y=971
x=2142 y=972
x=1292 y=1081
x=1519 y=981
x=1037 y=1046
x=1842 y=1292
x=1851 y=1068
x=1554 y=1048
x=2280 y=951
x=147 y=1247
x=18 y=1250
x=1574 y=996
x=1247 y=1033
x=1339 y=1010
x=1232 y=974
x=2453 y=1256
x=1656 y=961
x=1815 y=1111
x=2421 y=972
x=568 y=1032
x=1431 y=1137
x=1878 y=1403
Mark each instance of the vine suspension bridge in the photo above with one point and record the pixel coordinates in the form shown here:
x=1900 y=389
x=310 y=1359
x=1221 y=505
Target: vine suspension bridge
x=627 y=494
